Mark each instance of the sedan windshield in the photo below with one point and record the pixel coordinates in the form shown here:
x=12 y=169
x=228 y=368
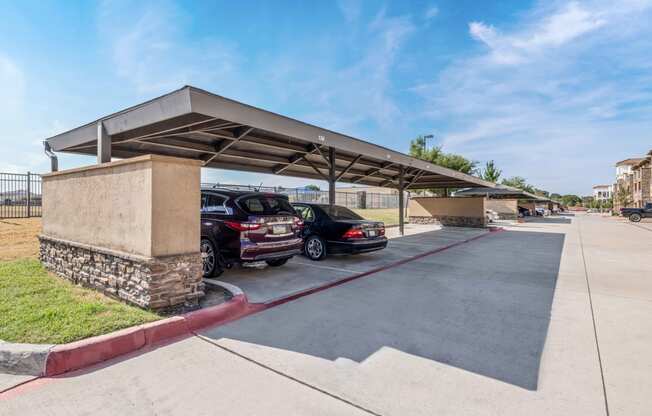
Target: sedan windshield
x=341 y=213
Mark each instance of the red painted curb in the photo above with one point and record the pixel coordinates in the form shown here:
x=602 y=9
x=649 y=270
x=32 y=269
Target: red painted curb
x=76 y=355
x=79 y=354
x=156 y=332
x=239 y=307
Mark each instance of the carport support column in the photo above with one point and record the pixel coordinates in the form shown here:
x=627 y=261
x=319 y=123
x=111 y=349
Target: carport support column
x=401 y=200
x=103 y=144
x=331 y=176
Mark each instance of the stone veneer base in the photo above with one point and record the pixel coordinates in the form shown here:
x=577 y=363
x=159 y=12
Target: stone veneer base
x=451 y=221
x=164 y=284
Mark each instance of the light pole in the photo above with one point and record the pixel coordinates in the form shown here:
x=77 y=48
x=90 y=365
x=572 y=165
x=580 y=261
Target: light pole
x=425 y=141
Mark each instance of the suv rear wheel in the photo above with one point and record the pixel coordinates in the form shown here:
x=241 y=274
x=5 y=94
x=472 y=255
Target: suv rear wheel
x=635 y=217
x=210 y=259
x=277 y=262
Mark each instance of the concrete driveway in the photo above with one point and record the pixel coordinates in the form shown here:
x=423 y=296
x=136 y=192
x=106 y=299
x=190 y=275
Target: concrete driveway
x=547 y=318
x=268 y=284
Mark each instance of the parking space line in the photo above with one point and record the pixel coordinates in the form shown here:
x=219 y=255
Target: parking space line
x=285 y=375
x=593 y=318
x=359 y=275
x=319 y=266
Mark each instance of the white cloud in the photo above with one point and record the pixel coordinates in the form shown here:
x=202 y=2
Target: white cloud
x=350 y=9
x=431 y=12
x=151 y=50
x=554 y=30
x=564 y=90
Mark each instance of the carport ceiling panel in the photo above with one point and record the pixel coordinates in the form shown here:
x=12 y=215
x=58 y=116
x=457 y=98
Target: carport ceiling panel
x=226 y=134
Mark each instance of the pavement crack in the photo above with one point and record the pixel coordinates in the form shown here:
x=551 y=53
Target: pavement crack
x=289 y=377
x=595 y=326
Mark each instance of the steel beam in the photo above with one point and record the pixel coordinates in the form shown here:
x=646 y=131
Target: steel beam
x=103 y=144
x=346 y=169
x=312 y=165
x=332 y=179
x=401 y=202
x=372 y=172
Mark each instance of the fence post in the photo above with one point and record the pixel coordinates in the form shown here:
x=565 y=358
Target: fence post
x=29 y=194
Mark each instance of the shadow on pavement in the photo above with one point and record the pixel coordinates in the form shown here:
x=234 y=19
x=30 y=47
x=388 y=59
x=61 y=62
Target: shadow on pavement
x=548 y=220
x=482 y=306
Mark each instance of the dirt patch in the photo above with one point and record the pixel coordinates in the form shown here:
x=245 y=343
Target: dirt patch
x=18 y=238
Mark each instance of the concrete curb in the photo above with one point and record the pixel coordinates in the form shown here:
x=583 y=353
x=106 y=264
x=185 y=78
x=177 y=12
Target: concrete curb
x=23 y=359
x=76 y=355
x=60 y=359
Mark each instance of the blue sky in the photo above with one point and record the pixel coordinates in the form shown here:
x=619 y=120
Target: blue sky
x=552 y=91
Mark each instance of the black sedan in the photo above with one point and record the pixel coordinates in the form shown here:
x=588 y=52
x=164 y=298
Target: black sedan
x=338 y=230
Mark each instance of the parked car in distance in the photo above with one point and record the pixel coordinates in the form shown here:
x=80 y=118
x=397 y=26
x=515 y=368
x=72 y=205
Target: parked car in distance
x=523 y=212
x=338 y=230
x=244 y=227
x=491 y=215
x=637 y=214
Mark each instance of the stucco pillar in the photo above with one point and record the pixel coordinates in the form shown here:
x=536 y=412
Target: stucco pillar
x=130 y=229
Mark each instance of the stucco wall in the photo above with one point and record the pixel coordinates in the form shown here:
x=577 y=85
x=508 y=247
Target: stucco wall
x=147 y=205
x=502 y=206
x=451 y=207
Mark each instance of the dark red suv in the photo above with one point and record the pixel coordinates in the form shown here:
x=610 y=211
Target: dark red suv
x=244 y=226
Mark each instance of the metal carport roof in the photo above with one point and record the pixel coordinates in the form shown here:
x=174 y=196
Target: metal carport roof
x=501 y=192
x=226 y=134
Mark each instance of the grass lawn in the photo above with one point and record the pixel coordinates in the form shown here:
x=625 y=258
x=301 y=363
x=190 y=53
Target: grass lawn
x=38 y=307
x=387 y=215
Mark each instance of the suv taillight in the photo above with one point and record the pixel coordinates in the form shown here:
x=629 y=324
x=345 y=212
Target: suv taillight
x=381 y=231
x=242 y=226
x=353 y=233
x=297 y=223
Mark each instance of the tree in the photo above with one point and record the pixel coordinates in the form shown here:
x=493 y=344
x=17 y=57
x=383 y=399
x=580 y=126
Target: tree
x=623 y=196
x=491 y=173
x=435 y=155
x=311 y=187
x=457 y=162
x=520 y=183
x=571 y=200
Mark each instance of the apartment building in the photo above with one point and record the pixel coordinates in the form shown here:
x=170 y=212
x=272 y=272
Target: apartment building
x=642 y=182
x=602 y=193
x=623 y=189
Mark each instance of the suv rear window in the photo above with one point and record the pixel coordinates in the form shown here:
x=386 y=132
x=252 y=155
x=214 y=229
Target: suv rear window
x=341 y=213
x=266 y=205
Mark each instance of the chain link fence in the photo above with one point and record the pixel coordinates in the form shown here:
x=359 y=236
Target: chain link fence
x=354 y=200
x=20 y=195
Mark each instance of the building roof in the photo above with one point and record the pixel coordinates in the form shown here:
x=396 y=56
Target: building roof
x=499 y=192
x=601 y=186
x=226 y=134
x=630 y=161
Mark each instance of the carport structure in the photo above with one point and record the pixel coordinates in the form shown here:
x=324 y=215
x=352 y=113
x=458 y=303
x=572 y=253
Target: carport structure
x=131 y=227
x=222 y=133
x=502 y=192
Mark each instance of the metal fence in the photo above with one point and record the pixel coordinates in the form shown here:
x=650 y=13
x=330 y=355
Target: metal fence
x=355 y=200
x=20 y=195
